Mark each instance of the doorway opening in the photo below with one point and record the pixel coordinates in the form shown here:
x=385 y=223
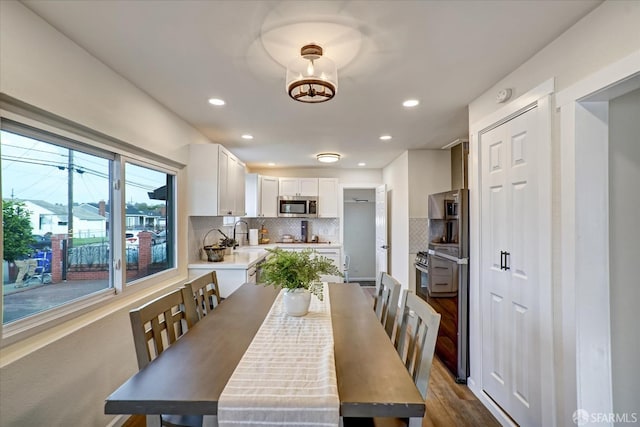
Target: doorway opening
x=601 y=165
x=359 y=235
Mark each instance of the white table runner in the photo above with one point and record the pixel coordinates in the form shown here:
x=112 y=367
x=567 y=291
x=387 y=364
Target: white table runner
x=287 y=375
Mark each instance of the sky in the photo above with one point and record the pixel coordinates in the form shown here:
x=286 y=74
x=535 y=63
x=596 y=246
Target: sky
x=34 y=170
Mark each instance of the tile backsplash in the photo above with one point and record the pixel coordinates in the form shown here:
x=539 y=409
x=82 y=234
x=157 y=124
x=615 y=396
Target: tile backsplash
x=327 y=230
x=418 y=235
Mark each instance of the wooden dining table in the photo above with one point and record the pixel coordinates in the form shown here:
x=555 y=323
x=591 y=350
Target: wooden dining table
x=189 y=376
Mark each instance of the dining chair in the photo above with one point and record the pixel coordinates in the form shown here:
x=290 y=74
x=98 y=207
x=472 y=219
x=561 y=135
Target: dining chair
x=386 y=301
x=156 y=325
x=204 y=292
x=417 y=332
x=414 y=336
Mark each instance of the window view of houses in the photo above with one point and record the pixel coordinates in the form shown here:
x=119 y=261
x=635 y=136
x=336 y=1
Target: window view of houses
x=60 y=227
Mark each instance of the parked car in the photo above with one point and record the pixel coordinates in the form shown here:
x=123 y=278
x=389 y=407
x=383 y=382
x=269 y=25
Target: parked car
x=132 y=237
x=159 y=237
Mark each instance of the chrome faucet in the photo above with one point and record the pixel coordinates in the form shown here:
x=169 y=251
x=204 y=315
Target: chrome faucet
x=246 y=233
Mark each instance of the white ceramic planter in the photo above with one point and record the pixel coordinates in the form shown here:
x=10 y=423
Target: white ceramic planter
x=296 y=302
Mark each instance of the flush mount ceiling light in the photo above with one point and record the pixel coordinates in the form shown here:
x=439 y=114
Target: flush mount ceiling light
x=312 y=78
x=216 y=101
x=328 y=157
x=410 y=103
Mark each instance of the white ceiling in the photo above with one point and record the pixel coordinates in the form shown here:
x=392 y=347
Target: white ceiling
x=444 y=53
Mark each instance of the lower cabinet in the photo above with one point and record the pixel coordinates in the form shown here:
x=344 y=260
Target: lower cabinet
x=331 y=253
x=228 y=280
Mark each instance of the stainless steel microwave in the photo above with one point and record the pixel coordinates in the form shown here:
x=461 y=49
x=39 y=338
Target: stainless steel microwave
x=297 y=207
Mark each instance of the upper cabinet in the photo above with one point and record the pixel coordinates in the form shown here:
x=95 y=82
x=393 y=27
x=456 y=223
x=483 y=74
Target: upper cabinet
x=216 y=181
x=261 y=196
x=298 y=187
x=327 y=197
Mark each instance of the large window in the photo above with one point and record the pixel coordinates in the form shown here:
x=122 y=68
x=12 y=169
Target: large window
x=69 y=225
x=148 y=216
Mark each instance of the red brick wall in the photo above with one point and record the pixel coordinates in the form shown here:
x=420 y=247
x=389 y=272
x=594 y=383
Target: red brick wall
x=144 y=260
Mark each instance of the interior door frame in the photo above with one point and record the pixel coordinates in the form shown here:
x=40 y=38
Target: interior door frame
x=341 y=188
x=584 y=235
x=540 y=97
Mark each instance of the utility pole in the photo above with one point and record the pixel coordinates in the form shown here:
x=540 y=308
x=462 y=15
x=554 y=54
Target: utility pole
x=70 y=171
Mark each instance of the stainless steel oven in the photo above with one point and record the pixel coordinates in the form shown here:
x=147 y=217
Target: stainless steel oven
x=422 y=274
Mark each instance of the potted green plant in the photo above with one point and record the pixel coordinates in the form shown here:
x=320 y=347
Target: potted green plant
x=298 y=273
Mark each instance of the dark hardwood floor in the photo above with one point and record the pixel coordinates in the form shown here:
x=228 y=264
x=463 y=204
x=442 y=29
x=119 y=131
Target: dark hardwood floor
x=451 y=404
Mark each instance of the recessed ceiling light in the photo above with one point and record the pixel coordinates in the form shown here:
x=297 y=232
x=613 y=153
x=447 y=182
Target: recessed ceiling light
x=362 y=164
x=247 y=136
x=216 y=101
x=385 y=137
x=410 y=103
x=271 y=164
x=328 y=157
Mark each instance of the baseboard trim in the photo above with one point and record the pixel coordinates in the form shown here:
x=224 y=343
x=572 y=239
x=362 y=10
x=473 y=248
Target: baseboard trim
x=488 y=403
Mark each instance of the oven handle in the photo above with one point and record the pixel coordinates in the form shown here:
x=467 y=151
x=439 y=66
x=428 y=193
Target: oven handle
x=421 y=268
x=448 y=257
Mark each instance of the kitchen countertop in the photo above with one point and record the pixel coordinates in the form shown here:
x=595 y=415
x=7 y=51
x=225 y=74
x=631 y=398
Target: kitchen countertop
x=246 y=257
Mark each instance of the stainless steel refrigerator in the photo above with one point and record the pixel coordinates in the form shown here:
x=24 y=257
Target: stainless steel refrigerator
x=447 y=281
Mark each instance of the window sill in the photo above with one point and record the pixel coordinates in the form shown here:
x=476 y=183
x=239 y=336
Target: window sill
x=24 y=336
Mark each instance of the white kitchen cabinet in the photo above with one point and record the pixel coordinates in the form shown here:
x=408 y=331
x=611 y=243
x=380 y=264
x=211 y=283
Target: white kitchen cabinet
x=327 y=197
x=261 y=196
x=298 y=187
x=237 y=186
x=216 y=181
x=333 y=254
x=228 y=280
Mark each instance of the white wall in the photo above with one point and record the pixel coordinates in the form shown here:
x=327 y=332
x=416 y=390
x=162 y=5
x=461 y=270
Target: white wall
x=63 y=375
x=429 y=172
x=396 y=177
x=624 y=235
x=606 y=35
x=410 y=178
x=42 y=67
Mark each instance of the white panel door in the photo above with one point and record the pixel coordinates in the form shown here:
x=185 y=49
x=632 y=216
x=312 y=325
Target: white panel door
x=494 y=282
x=381 y=231
x=511 y=352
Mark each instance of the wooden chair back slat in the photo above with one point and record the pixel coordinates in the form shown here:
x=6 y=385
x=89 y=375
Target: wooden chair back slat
x=204 y=293
x=386 y=301
x=415 y=338
x=158 y=324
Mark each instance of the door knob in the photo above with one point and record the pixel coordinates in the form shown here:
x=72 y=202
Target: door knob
x=384 y=247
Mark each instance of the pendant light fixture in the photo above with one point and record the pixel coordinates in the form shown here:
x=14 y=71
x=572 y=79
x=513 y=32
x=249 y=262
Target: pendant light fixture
x=312 y=78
